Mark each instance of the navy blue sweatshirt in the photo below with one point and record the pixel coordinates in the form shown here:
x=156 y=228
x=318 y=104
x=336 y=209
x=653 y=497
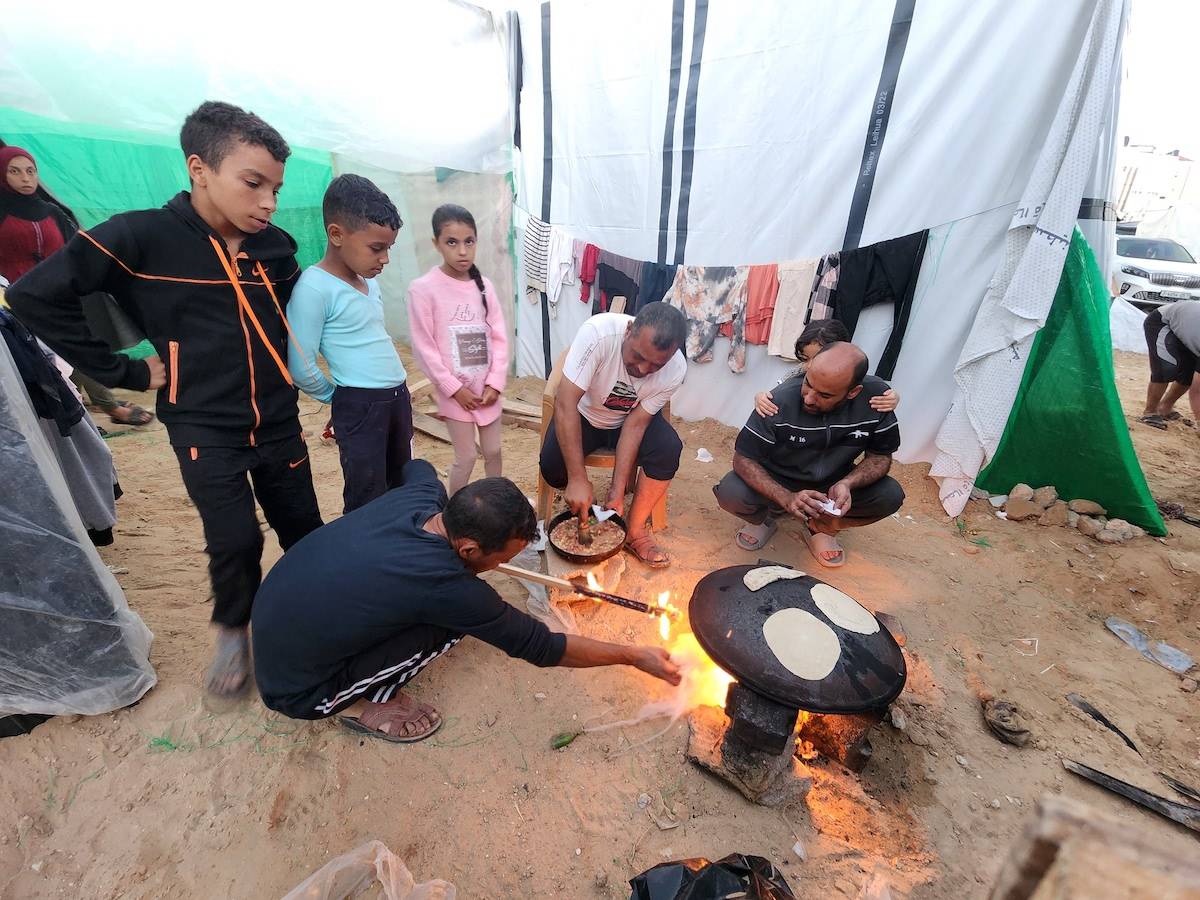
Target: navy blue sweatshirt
x=365 y=577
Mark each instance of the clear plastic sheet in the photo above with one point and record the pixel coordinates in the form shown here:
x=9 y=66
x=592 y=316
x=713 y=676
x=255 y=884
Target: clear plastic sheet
x=68 y=641
x=354 y=873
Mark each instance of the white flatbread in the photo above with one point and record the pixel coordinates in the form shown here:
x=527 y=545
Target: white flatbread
x=843 y=610
x=757 y=579
x=806 y=646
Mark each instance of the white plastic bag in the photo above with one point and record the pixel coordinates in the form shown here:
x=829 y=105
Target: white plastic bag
x=353 y=873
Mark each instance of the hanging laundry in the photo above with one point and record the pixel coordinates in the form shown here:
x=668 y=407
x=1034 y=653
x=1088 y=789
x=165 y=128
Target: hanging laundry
x=589 y=261
x=560 y=266
x=795 y=288
x=630 y=268
x=762 y=287
x=655 y=283
x=537 y=252
x=825 y=282
x=708 y=297
x=881 y=273
x=611 y=282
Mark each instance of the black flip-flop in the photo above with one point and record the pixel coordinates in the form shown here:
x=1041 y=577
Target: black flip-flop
x=1154 y=422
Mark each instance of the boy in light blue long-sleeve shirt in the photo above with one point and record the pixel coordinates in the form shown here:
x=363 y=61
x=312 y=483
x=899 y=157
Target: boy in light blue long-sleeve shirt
x=336 y=309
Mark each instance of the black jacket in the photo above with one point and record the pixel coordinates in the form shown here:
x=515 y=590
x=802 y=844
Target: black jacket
x=225 y=350
x=803 y=450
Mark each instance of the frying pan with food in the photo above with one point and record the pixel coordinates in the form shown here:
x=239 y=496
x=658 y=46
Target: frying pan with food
x=583 y=557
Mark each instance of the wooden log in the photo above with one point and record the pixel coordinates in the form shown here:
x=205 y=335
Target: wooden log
x=417 y=388
x=523 y=409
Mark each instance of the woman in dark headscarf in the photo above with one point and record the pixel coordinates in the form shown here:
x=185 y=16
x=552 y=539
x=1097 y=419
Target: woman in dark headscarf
x=32 y=228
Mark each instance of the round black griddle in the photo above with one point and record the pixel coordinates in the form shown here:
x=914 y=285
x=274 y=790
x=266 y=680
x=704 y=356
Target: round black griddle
x=582 y=557
x=727 y=619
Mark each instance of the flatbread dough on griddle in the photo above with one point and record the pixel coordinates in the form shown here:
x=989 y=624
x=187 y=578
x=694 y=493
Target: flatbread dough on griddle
x=759 y=578
x=843 y=610
x=803 y=644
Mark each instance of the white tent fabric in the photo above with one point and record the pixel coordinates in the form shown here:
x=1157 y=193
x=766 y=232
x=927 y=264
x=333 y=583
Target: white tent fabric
x=366 y=85
x=989 y=370
x=1125 y=323
x=986 y=97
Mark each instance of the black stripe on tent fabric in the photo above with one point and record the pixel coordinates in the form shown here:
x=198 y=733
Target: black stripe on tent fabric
x=881 y=111
x=518 y=69
x=1095 y=208
x=689 y=130
x=547 y=167
x=668 y=156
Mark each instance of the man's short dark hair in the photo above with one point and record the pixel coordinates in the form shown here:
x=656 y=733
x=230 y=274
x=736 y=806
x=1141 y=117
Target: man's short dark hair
x=353 y=201
x=213 y=128
x=668 y=323
x=492 y=511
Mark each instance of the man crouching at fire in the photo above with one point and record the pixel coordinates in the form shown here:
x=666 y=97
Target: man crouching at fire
x=356 y=609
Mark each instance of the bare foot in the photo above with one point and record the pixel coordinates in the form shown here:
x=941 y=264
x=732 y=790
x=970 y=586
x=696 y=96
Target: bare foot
x=229 y=672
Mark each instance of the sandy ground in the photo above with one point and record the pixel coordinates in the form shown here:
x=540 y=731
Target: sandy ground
x=173 y=798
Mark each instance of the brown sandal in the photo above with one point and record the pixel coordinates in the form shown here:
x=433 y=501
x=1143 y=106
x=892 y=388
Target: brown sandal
x=648 y=552
x=400 y=712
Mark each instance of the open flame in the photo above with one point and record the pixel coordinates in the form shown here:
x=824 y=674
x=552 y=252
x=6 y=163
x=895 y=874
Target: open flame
x=594 y=585
x=664 y=620
x=704 y=682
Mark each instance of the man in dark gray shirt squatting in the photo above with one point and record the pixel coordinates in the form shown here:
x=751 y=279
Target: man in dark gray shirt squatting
x=801 y=461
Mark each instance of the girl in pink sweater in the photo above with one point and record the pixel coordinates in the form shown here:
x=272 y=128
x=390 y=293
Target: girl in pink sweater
x=459 y=338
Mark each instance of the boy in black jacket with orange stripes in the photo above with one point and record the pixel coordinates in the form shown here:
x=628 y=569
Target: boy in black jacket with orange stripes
x=207 y=279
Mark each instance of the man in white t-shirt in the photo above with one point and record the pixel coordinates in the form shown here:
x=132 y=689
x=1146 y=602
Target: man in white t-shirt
x=619 y=374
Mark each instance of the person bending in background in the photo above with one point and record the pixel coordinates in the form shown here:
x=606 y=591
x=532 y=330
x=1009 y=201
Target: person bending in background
x=1173 y=342
x=356 y=610
x=206 y=279
x=336 y=309
x=800 y=461
x=460 y=339
x=619 y=374
x=33 y=228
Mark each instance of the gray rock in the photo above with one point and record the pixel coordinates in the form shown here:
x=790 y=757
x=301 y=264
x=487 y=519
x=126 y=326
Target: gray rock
x=1188 y=685
x=1089 y=526
x=961 y=760
x=1087 y=507
x=1021 y=492
x=1055 y=515
x=998 y=500
x=978 y=493
x=1110 y=537
x=1045 y=497
x=1072 y=519
x=1019 y=509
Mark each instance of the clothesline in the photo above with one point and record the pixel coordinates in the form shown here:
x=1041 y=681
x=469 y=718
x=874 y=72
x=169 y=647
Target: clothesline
x=761 y=304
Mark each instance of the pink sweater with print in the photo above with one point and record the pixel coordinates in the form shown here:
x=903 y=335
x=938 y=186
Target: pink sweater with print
x=456 y=344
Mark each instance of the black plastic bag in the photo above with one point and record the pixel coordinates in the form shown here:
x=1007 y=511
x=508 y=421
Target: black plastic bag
x=698 y=879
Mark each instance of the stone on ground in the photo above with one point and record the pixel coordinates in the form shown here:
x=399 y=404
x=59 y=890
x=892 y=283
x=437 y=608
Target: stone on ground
x=1090 y=526
x=1021 y=492
x=1087 y=507
x=1021 y=509
x=1057 y=514
x=1045 y=497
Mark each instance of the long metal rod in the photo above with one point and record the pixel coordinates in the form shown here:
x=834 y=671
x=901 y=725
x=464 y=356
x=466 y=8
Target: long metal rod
x=563 y=584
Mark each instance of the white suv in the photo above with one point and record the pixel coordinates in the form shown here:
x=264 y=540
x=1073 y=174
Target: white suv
x=1153 y=271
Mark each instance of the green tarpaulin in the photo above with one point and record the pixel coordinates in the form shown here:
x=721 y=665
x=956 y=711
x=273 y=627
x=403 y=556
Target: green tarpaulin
x=1067 y=427
x=99 y=172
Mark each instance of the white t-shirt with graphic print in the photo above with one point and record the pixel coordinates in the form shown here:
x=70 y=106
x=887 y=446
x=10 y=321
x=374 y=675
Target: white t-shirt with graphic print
x=610 y=393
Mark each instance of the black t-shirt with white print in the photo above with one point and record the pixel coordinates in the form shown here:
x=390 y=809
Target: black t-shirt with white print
x=801 y=449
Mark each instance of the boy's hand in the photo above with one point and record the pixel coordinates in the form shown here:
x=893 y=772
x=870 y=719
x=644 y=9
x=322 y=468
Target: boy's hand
x=764 y=406
x=158 y=372
x=885 y=402
x=490 y=396
x=466 y=399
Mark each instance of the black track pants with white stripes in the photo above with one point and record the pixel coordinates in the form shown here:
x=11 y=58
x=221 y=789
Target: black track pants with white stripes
x=376 y=675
